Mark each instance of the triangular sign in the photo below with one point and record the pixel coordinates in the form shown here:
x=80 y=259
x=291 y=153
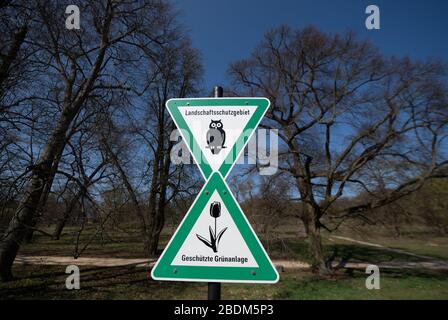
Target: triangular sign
x=215 y=242
x=216 y=130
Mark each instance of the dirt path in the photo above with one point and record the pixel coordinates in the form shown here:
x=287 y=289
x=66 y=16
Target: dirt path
x=376 y=245
x=430 y=262
x=431 y=265
x=120 y=262
x=279 y=264
x=82 y=261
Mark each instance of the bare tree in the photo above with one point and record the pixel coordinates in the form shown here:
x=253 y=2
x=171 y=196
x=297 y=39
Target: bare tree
x=179 y=76
x=77 y=66
x=16 y=70
x=342 y=110
x=173 y=70
x=268 y=205
x=85 y=174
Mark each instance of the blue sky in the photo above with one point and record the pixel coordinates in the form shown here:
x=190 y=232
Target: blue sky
x=227 y=30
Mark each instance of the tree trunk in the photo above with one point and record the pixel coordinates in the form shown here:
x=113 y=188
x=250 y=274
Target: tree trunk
x=156 y=220
x=152 y=242
x=17 y=229
x=19 y=226
x=59 y=228
x=313 y=231
x=43 y=200
x=151 y=237
x=159 y=186
x=310 y=218
x=60 y=225
x=25 y=214
x=42 y=172
x=68 y=211
x=11 y=55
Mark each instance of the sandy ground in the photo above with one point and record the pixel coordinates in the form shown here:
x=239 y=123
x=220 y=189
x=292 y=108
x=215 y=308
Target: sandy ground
x=279 y=264
x=430 y=263
x=119 y=262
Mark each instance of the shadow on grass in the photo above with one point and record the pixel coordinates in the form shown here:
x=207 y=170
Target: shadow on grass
x=294 y=249
x=359 y=253
x=48 y=282
x=37 y=282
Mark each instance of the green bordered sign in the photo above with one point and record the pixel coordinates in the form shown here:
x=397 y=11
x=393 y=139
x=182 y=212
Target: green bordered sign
x=216 y=130
x=215 y=243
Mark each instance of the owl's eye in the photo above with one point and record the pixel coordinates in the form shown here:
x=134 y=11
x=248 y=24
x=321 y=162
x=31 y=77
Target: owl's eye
x=219 y=125
x=213 y=125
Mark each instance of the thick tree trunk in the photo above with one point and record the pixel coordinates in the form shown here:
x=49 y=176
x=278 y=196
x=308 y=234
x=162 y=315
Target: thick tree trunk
x=310 y=217
x=25 y=215
x=313 y=231
x=18 y=227
x=43 y=200
x=42 y=172
x=11 y=55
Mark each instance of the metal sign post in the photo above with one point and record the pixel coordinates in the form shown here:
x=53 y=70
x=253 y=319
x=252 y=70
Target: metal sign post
x=214 y=288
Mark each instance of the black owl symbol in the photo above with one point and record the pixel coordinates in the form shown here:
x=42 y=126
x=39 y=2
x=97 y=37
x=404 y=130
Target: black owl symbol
x=216 y=136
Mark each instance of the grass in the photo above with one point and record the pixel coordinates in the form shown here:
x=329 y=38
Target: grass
x=117 y=244
x=395 y=284
x=37 y=282
x=339 y=249
x=435 y=247
x=48 y=282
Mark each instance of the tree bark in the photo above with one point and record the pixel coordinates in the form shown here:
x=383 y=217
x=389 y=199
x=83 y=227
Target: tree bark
x=44 y=197
x=7 y=61
x=62 y=222
x=157 y=213
x=42 y=171
x=159 y=185
x=319 y=263
x=24 y=217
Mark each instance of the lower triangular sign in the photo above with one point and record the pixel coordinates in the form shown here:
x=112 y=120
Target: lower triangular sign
x=215 y=243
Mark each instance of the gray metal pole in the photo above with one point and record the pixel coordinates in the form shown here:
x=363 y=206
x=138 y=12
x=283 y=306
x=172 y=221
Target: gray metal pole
x=214 y=288
x=218 y=92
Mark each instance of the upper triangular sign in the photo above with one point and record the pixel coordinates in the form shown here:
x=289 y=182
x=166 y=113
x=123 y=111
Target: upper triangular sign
x=215 y=242
x=216 y=130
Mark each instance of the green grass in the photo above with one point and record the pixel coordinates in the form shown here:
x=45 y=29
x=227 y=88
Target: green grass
x=339 y=249
x=395 y=284
x=116 y=243
x=130 y=246
x=38 y=282
x=48 y=282
x=435 y=247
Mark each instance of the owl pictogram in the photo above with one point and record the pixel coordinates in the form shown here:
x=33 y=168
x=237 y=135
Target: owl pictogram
x=216 y=136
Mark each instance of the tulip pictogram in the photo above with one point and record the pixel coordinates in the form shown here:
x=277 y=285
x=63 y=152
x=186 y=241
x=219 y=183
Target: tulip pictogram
x=213 y=243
